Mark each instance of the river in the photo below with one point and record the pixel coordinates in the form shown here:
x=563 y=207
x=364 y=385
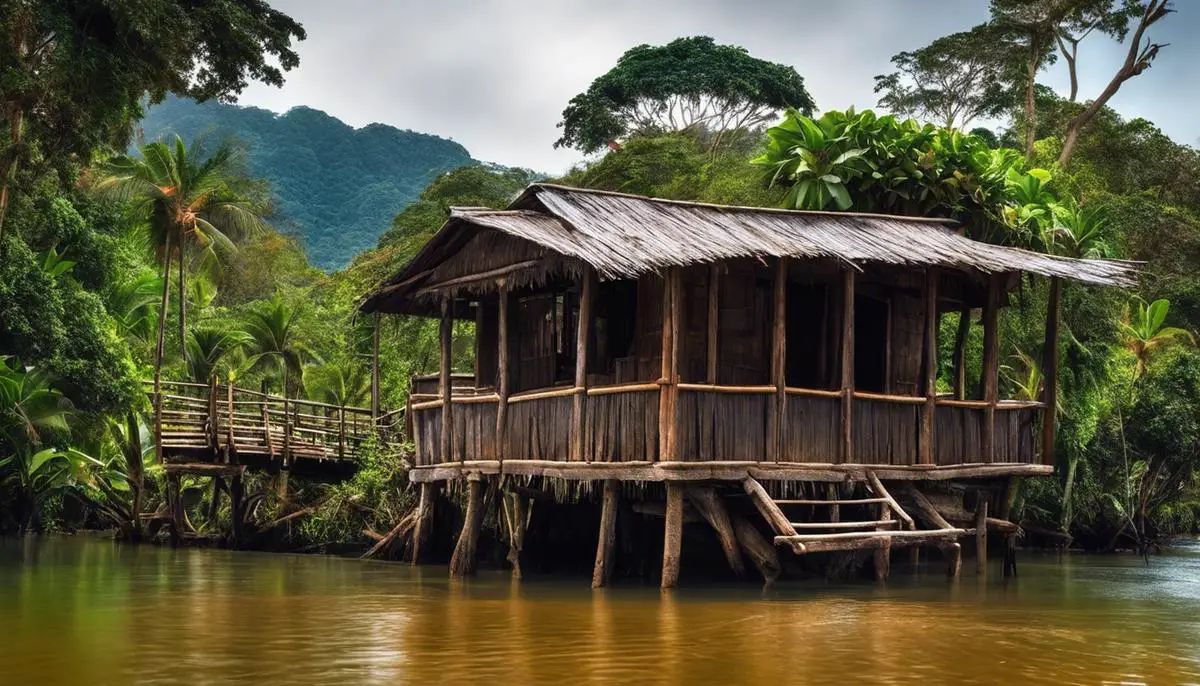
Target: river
x=88 y=611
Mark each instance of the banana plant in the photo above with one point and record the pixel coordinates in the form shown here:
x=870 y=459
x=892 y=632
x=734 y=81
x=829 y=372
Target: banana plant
x=36 y=476
x=1145 y=334
x=816 y=158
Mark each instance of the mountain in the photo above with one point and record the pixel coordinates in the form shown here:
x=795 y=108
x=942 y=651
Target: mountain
x=335 y=186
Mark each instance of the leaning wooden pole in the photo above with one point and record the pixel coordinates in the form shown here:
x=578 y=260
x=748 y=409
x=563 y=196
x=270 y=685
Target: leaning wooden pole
x=672 y=535
x=462 y=563
x=1050 y=371
x=446 y=332
x=607 y=541
x=711 y=506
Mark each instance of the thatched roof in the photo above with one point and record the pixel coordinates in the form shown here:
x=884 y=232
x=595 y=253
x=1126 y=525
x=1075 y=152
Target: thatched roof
x=552 y=227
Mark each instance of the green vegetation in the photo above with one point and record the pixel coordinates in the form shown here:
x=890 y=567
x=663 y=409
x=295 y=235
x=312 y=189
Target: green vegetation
x=333 y=186
x=92 y=236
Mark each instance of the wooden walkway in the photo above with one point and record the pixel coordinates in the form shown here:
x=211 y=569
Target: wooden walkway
x=222 y=423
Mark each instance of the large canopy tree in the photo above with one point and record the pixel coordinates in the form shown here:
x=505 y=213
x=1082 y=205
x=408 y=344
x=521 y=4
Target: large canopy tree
x=955 y=79
x=74 y=72
x=690 y=84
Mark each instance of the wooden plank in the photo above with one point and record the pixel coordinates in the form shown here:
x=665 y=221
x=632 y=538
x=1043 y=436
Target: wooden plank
x=928 y=412
x=875 y=523
x=991 y=363
x=1050 y=371
x=767 y=507
x=849 y=535
x=481 y=276
x=981 y=528
x=446 y=332
x=834 y=501
x=847 y=453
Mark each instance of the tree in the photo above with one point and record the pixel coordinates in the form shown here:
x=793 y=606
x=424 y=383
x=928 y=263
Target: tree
x=690 y=84
x=276 y=343
x=1110 y=17
x=207 y=346
x=1145 y=332
x=955 y=79
x=1036 y=22
x=186 y=203
x=74 y=73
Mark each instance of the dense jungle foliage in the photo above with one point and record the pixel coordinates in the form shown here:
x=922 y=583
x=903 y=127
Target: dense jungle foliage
x=94 y=242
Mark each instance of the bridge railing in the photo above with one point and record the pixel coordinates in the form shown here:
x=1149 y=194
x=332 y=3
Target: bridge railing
x=224 y=418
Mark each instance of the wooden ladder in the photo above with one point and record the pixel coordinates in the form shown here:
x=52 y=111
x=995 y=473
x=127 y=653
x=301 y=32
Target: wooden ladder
x=892 y=527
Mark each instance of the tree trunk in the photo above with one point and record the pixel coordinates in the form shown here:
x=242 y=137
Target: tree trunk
x=182 y=302
x=1064 y=521
x=133 y=462
x=158 y=351
x=1031 y=70
x=10 y=168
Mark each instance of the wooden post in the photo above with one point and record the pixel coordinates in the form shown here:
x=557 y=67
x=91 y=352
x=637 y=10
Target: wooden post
x=230 y=443
x=424 y=518
x=883 y=554
x=375 y=373
x=835 y=510
x=446 y=332
x=960 y=352
x=929 y=410
x=175 y=506
x=579 y=401
x=287 y=432
x=953 y=552
x=214 y=436
x=462 y=563
x=266 y=417
x=757 y=548
x=1050 y=372
x=847 y=364
x=714 y=317
x=237 y=500
x=672 y=535
x=606 y=544
x=515 y=510
x=502 y=373
x=341 y=433
x=776 y=413
x=990 y=371
x=667 y=399
x=711 y=506
x=214 y=501
x=981 y=510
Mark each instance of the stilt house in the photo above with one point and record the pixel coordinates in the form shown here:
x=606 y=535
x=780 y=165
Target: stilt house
x=619 y=337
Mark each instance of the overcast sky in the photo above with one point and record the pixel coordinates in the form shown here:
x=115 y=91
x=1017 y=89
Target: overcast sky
x=495 y=75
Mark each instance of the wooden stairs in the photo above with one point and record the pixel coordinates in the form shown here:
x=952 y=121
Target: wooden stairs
x=890 y=528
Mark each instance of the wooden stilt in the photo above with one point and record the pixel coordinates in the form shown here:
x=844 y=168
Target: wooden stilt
x=953 y=553
x=237 y=501
x=462 y=563
x=607 y=540
x=760 y=551
x=424 y=518
x=847 y=365
x=835 y=510
x=981 y=534
x=767 y=508
x=1010 y=556
x=214 y=501
x=672 y=535
x=579 y=401
x=711 y=506
x=883 y=553
x=517 y=514
x=175 y=506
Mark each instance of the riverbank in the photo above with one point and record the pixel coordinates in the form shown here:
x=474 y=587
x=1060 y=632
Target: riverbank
x=144 y=614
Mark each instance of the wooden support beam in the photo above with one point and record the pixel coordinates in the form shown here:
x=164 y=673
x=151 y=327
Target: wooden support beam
x=579 y=401
x=425 y=505
x=375 y=369
x=237 y=509
x=516 y=514
x=669 y=381
x=672 y=535
x=502 y=382
x=883 y=554
x=847 y=366
x=981 y=528
x=462 y=563
x=961 y=334
x=929 y=410
x=767 y=507
x=606 y=543
x=953 y=552
x=445 y=335
x=989 y=375
x=714 y=318
x=1050 y=371
x=776 y=412
x=757 y=548
x=882 y=492
x=926 y=509
x=835 y=507
x=175 y=506
x=711 y=506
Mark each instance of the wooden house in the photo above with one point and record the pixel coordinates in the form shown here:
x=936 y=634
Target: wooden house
x=724 y=349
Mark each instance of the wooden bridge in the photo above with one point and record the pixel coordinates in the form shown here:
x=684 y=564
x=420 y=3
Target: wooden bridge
x=221 y=424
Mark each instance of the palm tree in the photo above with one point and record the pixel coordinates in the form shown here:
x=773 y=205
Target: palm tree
x=131 y=303
x=187 y=204
x=1145 y=334
x=274 y=343
x=341 y=383
x=208 y=346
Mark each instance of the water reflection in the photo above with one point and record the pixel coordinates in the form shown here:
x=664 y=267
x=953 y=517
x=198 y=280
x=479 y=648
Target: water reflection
x=80 y=611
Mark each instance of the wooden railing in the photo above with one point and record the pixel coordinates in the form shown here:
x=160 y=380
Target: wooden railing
x=719 y=423
x=226 y=420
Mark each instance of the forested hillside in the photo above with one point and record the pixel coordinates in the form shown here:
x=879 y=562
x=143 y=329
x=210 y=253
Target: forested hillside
x=335 y=186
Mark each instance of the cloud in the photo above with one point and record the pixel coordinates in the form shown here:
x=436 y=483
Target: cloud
x=495 y=75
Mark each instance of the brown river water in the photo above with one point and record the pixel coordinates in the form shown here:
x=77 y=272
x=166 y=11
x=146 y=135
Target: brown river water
x=89 y=611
